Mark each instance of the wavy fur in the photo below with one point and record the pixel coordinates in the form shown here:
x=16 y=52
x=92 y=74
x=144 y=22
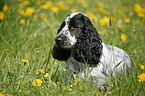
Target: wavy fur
x=88 y=47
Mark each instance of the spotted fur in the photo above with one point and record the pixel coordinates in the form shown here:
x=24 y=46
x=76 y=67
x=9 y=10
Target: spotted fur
x=79 y=44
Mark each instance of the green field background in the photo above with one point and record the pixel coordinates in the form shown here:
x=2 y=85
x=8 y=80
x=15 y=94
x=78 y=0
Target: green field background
x=27 y=32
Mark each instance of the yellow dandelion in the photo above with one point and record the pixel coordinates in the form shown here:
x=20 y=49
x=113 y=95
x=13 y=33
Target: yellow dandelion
x=142 y=67
x=69 y=89
x=39 y=2
x=1 y=94
x=21 y=11
x=123 y=37
x=141 y=14
x=104 y=21
x=70 y=1
x=1 y=15
x=46 y=75
x=54 y=9
x=29 y=12
x=39 y=72
x=26 y=2
x=73 y=10
x=60 y=3
x=126 y=20
x=83 y=89
x=5 y=8
x=44 y=7
x=90 y=15
x=141 y=77
x=138 y=8
x=49 y=4
x=100 y=32
x=22 y=21
x=76 y=82
x=37 y=82
x=100 y=4
x=7 y=50
x=9 y=95
x=25 y=61
x=44 y=17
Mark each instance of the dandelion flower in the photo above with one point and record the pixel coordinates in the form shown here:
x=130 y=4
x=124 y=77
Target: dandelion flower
x=39 y=72
x=46 y=75
x=49 y=4
x=22 y=21
x=44 y=7
x=100 y=4
x=1 y=94
x=138 y=8
x=37 y=82
x=142 y=67
x=25 y=61
x=90 y=15
x=69 y=89
x=21 y=11
x=7 y=50
x=73 y=10
x=104 y=21
x=70 y=1
x=39 y=2
x=141 y=14
x=126 y=20
x=123 y=37
x=29 y=12
x=76 y=82
x=44 y=17
x=5 y=8
x=100 y=32
x=54 y=9
x=1 y=15
x=141 y=77
x=26 y=2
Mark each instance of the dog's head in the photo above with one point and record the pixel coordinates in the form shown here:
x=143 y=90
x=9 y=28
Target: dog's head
x=78 y=36
x=69 y=30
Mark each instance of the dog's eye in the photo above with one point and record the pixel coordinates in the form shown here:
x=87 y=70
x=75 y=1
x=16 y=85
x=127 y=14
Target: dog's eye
x=74 y=27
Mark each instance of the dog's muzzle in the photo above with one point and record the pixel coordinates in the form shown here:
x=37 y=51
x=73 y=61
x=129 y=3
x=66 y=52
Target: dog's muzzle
x=62 y=42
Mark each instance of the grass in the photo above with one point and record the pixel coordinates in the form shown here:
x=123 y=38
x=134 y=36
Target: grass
x=34 y=40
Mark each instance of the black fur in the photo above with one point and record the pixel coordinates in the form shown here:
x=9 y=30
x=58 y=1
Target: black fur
x=88 y=48
x=61 y=54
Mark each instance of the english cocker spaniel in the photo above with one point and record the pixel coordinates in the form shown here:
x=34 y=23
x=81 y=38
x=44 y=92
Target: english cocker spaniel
x=79 y=44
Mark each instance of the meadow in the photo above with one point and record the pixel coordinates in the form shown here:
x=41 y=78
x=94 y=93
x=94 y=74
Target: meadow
x=27 y=32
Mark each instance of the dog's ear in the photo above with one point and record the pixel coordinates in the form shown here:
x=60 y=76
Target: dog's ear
x=88 y=48
x=61 y=54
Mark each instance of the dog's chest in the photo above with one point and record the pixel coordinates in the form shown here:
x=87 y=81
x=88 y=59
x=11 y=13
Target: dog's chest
x=74 y=66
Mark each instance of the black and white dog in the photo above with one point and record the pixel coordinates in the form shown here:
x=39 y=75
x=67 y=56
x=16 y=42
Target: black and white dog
x=79 y=44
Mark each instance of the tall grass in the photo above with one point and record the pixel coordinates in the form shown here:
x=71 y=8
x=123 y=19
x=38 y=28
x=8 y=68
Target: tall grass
x=34 y=41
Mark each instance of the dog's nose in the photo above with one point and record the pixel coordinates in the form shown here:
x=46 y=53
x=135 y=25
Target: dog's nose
x=58 y=39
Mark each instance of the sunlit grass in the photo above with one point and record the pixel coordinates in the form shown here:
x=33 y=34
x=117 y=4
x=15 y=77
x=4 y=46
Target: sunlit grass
x=27 y=32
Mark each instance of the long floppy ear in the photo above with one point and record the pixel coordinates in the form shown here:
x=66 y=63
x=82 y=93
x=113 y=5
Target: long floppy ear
x=88 y=48
x=61 y=54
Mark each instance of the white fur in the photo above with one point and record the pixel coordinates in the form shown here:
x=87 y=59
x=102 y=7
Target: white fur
x=66 y=31
x=108 y=65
